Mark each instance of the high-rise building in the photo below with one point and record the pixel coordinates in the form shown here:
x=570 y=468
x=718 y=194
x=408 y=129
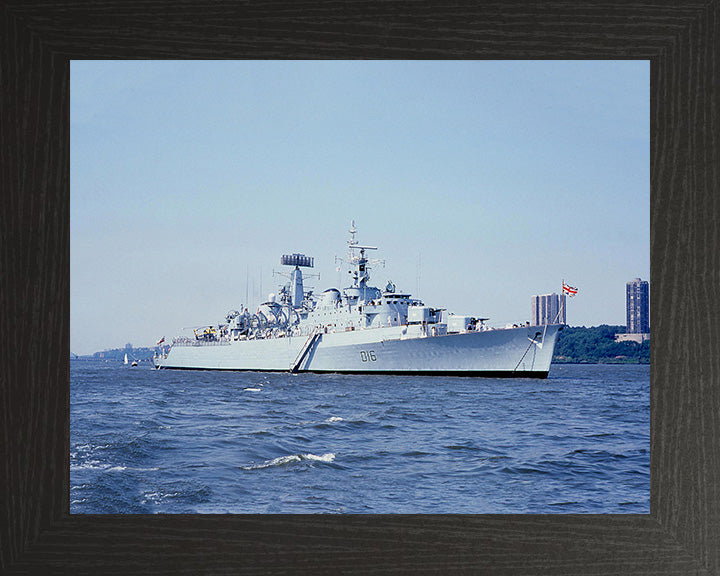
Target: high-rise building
x=548 y=309
x=637 y=303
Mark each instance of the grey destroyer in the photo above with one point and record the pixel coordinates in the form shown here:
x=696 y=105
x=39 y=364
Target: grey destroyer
x=360 y=329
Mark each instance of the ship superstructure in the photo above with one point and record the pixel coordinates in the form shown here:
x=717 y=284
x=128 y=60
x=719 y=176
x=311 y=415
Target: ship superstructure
x=360 y=329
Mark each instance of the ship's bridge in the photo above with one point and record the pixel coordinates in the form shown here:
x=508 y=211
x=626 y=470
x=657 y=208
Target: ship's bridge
x=355 y=294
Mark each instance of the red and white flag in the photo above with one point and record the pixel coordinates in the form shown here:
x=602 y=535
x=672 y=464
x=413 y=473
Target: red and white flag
x=569 y=290
x=160 y=341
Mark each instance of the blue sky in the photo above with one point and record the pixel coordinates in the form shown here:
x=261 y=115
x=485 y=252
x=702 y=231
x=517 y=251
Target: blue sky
x=482 y=183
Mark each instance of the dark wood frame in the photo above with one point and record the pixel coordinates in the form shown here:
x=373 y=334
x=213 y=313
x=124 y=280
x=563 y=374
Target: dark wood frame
x=681 y=535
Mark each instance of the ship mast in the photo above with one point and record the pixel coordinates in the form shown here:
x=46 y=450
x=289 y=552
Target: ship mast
x=360 y=274
x=296 y=289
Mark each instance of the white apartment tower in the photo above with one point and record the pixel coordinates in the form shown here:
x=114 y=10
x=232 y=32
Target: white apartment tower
x=548 y=309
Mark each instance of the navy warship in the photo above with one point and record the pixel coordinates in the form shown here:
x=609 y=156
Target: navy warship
x=360 y=329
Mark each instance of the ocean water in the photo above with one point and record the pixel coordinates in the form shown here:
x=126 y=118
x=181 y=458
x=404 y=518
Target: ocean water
x=161 y=441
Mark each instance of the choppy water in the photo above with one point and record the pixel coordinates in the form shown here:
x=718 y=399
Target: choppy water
x=161 y=441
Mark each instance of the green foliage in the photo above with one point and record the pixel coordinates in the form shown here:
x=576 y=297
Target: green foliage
x=596 y=345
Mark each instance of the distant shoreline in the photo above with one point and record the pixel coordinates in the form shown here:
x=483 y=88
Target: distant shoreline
x=575 y=345
x=597 y=345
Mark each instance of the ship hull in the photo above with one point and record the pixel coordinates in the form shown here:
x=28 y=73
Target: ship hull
x=512 y=352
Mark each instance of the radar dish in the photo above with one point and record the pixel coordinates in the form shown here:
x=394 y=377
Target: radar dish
x=297 y=260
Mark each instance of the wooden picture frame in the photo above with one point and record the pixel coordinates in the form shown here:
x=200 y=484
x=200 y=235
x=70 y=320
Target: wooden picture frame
x=681 y=535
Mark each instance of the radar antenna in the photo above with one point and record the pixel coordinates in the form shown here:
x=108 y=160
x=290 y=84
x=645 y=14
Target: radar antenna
x=360 y=275
x=297 y=291
x=297 y=260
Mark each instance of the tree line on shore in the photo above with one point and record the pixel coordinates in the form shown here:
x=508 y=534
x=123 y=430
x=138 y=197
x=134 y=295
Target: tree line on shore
x=138 y=354
x=596 y=345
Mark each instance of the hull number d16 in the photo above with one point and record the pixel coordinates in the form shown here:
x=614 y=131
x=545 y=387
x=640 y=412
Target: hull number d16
x=368 y=356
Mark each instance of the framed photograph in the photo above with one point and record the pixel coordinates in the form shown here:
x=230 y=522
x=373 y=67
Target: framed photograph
x=40 y=534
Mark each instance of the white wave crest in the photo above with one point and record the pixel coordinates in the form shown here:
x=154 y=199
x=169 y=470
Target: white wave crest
x=282 y=460
x=335 y=419
x=89 y=465
x=329 y=457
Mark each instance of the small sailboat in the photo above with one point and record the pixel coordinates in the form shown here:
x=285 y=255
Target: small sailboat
x=126 y=360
